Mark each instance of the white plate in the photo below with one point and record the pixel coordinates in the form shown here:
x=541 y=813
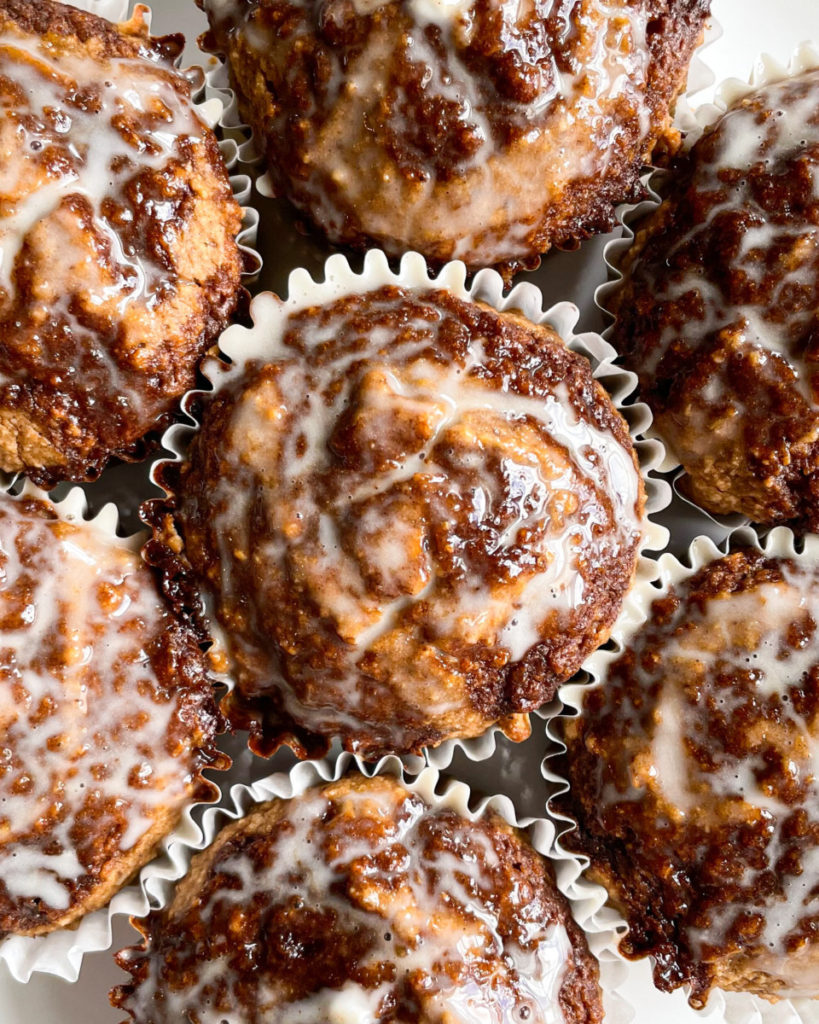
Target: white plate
x=749 y=28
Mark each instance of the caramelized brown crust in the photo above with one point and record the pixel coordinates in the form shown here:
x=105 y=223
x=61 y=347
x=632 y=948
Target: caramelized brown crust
x=416 y=520
x=107 y=718
x=693 y=778
x=118 y=226
x=717 y=314
x=425 y=910
x=475 y=131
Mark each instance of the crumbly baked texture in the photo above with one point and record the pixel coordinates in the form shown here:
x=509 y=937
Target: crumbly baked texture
x=693 y=775
x=107 y=717
x=416 y=517
x=717 y=314
x=477 y=130
x=357 y=902
x=117 y=233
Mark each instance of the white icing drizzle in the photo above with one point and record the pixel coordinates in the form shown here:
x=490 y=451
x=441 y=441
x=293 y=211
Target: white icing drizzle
x=104 y=154
x=432 y=915
x=76 y=133
x=777 y=123
x=83 y=719
x=426 y=12
x=736 y=635
x=491 y=208
x=544 y=449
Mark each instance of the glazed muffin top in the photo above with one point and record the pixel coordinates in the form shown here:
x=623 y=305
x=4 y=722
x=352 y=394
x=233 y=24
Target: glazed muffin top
x=107 y=717
x=416 y=516
x=479 y=130
x=117 y=223
x=358 y=902
x=718 y=311
x=693 y=772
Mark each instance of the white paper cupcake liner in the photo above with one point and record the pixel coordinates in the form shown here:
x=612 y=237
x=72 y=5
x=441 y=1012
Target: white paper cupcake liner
x=242 y=345
x=61 y=952
x=693 y=122
x=766 y=69
x=723 y=1007
x=439 y=792
x=231 y=120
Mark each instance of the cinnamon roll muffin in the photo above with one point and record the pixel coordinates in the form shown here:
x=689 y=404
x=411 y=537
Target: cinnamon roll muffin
x=118 y=258
x=717 y=313
x=474 y=129
x=107 y=717
x=695 y=780
x=415 y=516
x=359 y=902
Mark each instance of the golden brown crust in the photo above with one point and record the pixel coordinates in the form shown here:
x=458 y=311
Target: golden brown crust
x=115 y=279
x=717 y=311
x=49 y=18
x=107 y=718
x=471 y=142
x=395 y=516
x=693 y=778
x=406 y=878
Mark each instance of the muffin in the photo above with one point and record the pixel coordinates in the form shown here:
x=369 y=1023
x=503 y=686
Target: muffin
x=359 y=902
x=477 y=130
x=693 y=776
x=717 y=313
x=117 y=235
x=107 y=717
x=414 y=516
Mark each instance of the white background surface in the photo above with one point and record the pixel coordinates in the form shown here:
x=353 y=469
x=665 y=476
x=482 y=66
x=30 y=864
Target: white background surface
x=749 y=28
